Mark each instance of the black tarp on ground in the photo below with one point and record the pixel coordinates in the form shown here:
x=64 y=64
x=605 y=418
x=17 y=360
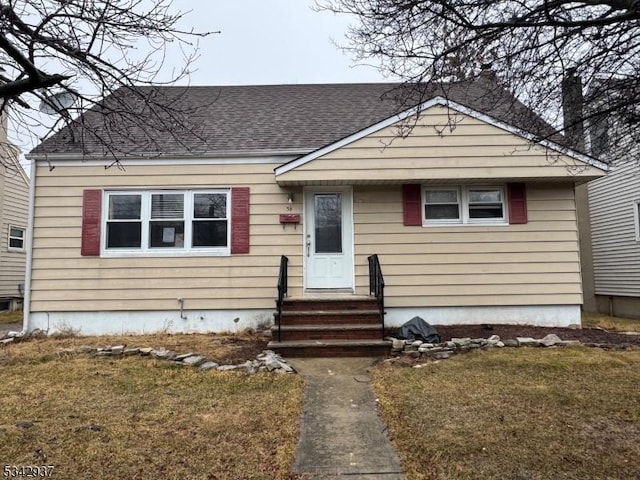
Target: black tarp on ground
x=418 y=329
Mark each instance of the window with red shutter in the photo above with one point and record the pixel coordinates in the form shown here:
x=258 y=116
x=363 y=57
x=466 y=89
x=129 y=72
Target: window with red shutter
x=174 y=222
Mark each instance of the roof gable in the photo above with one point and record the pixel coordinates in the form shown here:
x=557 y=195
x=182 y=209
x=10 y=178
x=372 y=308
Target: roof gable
x=415 y=112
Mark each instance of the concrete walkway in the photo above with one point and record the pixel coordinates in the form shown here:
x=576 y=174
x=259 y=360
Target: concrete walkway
x=342 y=436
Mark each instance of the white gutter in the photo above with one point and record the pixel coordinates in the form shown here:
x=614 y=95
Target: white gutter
x=27 y=278
x=222 y=154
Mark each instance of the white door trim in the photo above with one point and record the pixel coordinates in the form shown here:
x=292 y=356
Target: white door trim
x=348 y=235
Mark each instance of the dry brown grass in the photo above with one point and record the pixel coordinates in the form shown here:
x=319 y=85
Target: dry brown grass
x=11 y=317
x=516 y=414
x=136 y=417
x=616 y=324
x=229 y=348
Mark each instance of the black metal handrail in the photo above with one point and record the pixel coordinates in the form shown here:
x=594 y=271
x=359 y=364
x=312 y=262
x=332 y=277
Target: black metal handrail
x=376 y=285
x=282 y=289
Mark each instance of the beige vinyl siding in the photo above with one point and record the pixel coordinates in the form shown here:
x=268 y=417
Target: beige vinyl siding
x=471 y=150
x=64 y=281
x=534 y=263
x=616 y=251
x=530 y=264
x=14 y=200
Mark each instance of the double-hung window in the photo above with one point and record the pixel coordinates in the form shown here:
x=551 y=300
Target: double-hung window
x=464 y=204
x=16 y=238
x=442 y=205
x=167 y=221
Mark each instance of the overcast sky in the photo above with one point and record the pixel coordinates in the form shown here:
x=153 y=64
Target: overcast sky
x=271 y=42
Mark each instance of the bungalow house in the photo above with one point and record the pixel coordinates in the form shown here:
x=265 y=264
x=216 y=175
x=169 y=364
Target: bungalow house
x=14 y=199
x=471 y=219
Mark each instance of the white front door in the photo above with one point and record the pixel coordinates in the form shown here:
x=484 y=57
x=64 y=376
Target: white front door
x=328 y=238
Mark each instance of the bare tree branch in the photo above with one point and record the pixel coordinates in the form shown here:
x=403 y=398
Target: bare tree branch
x=529 y=45
x=94 y=50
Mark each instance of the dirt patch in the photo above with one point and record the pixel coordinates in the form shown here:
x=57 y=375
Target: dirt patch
x=238 y=349
x=584 y=335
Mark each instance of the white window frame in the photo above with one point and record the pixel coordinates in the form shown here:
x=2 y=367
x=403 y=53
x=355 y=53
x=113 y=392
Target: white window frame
x=10 y=237
x=145 y=218
x=445 y=221
x=636 y=217
x=463 y=196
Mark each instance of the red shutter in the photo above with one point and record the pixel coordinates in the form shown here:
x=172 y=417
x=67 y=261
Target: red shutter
x=91 y=217
x=240 y=220
x=412 y=204
x=517 y=202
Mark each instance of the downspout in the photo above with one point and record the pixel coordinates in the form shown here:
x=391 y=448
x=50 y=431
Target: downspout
x=27 y=277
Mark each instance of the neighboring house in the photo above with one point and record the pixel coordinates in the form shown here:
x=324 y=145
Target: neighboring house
x=473 y=222
x=614 y=207
x=14 y=201
x=610 y=212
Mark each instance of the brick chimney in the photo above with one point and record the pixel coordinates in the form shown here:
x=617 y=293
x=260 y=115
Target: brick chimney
x=572 y=109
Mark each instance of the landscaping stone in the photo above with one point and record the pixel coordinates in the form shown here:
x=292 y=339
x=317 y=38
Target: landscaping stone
x=117 y=350
x=183 y=356
x=163 y=354
x=444 y=350
x=267 y=361
x=527 y=342
x=103 y=353
x=411 y=353
x=247 y=367
x=193 y=360
x=397 y=344
x=7 y=341
x=208 y=365
x=550 y=340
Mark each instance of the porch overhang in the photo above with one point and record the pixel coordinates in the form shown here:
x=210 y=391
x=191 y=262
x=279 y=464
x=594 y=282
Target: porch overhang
x=374 y=177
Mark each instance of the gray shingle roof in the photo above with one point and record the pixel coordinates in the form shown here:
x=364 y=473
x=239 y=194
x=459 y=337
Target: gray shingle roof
x=220 y=120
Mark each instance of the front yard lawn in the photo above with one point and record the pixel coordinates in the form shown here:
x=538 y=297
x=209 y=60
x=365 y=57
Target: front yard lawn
x=137 y=417
x=534 y=414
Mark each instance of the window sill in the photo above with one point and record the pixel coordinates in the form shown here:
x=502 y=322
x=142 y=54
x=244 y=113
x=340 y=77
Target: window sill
x=16 y=250
x=164 y=253
x=484 y=224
